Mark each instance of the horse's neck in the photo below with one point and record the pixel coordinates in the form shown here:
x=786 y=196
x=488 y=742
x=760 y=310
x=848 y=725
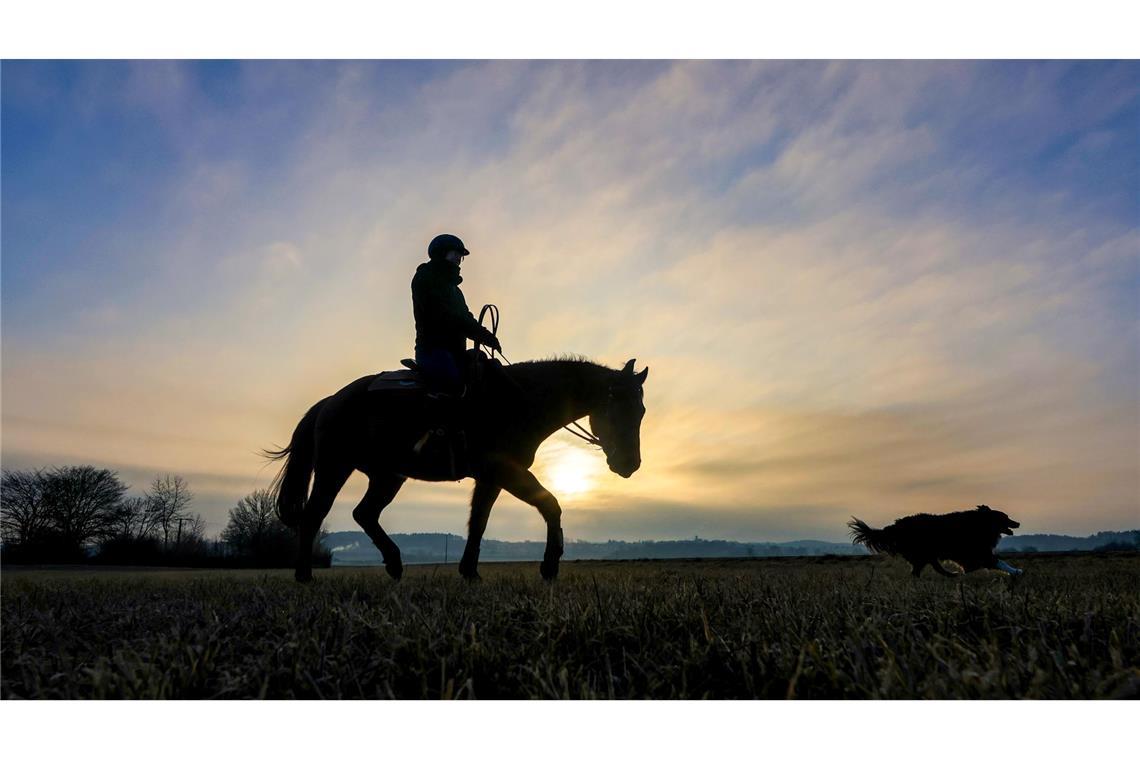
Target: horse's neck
x=562 y=414
x=568 y=396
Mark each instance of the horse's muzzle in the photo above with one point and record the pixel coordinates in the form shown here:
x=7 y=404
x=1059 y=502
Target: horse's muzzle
x=625 y=469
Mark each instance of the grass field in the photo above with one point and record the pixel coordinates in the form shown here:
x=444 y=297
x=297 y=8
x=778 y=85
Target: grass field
x=771 y=628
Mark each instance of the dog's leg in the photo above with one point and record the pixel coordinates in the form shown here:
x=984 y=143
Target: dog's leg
x=1005 y=567
x=938 y=568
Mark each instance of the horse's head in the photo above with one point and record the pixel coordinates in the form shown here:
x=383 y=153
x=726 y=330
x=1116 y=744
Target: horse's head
x=618 y=421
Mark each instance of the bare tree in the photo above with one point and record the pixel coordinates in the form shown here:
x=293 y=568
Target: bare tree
x=252 y=521
x=134 y=519
x=169 y=500
x=256 y=534
x=82 y=502
x=24 y=514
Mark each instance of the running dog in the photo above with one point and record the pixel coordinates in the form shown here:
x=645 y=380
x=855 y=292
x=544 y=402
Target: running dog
x=968 y=538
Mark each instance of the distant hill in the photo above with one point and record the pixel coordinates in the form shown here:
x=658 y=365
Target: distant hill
x=355 y=548
x=1045 y=542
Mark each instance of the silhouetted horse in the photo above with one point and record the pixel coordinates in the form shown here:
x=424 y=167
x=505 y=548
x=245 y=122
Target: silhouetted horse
x=375 y=431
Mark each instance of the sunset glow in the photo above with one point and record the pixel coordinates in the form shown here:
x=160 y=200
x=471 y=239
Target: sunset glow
x=573 y=471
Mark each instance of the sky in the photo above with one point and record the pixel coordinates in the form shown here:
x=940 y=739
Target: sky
x=861 y=288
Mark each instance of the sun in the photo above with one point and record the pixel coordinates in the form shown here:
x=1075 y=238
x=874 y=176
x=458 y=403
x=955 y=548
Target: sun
x=571 y=471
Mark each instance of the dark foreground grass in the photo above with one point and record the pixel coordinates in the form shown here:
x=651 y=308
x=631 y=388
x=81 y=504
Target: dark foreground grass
x=772 y=628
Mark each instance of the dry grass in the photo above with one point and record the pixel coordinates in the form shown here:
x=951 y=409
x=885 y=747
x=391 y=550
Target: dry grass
x=770 y=628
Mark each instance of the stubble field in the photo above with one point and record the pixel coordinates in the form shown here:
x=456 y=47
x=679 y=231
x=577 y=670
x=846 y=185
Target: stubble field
x=766 y=628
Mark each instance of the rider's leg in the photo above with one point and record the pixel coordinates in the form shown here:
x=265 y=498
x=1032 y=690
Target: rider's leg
x=444 y=382
x=443 y=408
x=440 y=370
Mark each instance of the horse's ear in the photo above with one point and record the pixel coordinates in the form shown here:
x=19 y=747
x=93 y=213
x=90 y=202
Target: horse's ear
x=983 y=508
x=628 y=368
x=642 y=375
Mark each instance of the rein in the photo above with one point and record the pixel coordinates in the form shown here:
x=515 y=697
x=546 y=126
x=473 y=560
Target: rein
x=586 y=435
x=493 y=310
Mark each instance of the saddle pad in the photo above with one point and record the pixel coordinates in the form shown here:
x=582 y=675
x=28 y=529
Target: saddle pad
x=396 y=379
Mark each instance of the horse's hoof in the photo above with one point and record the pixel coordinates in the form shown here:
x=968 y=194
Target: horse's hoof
x=395 y=569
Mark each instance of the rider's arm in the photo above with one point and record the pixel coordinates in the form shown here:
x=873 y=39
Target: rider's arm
x=471 y=327
x=448 y=305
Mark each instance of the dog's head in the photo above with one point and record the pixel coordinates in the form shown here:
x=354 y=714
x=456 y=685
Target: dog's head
x=999 y=521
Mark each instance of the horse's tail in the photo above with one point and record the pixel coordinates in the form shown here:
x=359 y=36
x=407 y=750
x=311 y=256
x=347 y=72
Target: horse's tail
x=290 y=487
x=862 y=533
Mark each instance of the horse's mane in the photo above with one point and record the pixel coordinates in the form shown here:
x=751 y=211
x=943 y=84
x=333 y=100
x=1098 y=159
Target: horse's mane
x=570 y=358
x=562 y=370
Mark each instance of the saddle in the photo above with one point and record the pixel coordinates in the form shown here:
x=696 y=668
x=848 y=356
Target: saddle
x=399 y=379
x=408 y=379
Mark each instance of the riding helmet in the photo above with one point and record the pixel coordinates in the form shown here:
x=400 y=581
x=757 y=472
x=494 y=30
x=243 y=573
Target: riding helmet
x=441 y=244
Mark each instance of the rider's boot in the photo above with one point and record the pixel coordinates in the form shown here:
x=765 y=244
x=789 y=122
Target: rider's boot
x=443 y=445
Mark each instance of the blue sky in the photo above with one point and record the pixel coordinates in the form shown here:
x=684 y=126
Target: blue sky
x=869 y=287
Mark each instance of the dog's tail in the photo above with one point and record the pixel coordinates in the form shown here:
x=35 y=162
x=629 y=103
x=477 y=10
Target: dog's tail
x=862 y=533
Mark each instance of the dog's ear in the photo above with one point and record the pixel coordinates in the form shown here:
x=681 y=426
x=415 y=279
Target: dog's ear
x=983 y=508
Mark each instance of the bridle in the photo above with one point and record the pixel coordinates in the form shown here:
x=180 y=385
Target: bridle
x=493 y=310
x=586 y=435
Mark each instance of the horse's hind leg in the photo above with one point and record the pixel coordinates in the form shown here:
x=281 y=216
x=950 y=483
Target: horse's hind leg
x=381 y=490
x=327 y=482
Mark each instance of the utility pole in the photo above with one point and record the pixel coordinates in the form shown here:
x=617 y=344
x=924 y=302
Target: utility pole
x=446 y=539
x=178 y=540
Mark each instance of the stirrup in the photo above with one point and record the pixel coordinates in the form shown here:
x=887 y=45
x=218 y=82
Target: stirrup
x=427 y=437
x=457 y=454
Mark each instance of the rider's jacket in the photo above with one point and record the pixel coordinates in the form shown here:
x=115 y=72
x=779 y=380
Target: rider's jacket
x=442 y=317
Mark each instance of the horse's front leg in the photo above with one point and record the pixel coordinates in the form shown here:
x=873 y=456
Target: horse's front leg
x=521 y=484
x=482 y=499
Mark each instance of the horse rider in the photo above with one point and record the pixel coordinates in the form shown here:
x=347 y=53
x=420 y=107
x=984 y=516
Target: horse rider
x=443 y=322
x=443 y=325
